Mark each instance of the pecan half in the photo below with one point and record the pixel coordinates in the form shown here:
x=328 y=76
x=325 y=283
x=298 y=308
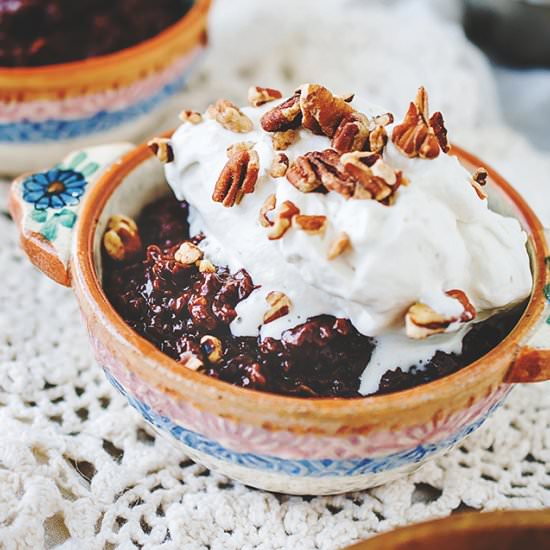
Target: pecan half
x=259 y=96
x=280 y=306
x=229 y=116
x=190 y=116
x=283 y=220
x=162 y=148
x=238 y=177
x=478 y=180
x=418 y=135
x=303 y=175
x=121 y=240
x=188 y=254
x=341 y=244
x=279 y=166
x=286 y=116
x=322 y=112
x=212 y=348
x=283 y=140
x=314 y=225
x=267 y=207
x=422 y=321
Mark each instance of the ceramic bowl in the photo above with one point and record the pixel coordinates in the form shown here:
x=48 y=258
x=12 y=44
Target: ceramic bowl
x=47 y=112
x=286 y=444
x=511 y=530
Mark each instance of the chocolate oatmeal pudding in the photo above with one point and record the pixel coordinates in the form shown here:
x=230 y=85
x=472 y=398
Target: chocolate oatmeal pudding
x=45 y=32
x=314 y=247
x=178 y=308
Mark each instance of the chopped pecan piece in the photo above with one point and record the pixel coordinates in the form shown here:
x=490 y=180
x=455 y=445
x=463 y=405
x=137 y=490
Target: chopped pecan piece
x=283 y=140
x=267 y=207
x=283 y=220
x=314 y=225
x=422 y=321
x=240 y=146
x=206 y=266
x=162 y=148
x=374 y=178
x=347 y=97
x=286 y=116
x=188 y=254
x=279 y=166
x=378 y=139
x=212 y=347
x=356 y=132
x=280 y=306
x=352 y=134
x=229 y=116
x=438 y=126
x=339 y=246
x=479 y=179
x=238 y=177
x=121 y=240
x=259 y=96
x=190 y=116
x=418 y=135
x=322 y=112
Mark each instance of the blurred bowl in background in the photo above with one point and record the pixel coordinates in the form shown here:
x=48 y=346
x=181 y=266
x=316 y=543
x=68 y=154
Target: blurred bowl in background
x=511 y=32
x=45 y=112
x=510 y=530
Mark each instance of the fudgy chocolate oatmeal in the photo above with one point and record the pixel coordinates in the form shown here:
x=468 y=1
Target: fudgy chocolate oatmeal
x=182 y=303
x=45 y=32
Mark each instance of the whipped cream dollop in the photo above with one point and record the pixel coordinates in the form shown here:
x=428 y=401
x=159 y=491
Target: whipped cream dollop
x=436 y=236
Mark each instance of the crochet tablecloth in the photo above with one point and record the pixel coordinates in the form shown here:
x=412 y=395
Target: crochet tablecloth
x=80 y=469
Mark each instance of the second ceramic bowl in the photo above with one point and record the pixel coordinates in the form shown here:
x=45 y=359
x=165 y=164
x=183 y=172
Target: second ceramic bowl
x=285 y=444
x=46 y=112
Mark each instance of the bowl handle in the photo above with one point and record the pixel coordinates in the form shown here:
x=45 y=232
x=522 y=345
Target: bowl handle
x=532 y=363
x=45 y=205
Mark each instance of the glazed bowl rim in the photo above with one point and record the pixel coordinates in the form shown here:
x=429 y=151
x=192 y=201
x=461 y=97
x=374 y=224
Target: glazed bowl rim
x=81 y=71
x=459 y=383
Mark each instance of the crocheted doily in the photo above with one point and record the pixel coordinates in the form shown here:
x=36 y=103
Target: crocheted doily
x=80 y=469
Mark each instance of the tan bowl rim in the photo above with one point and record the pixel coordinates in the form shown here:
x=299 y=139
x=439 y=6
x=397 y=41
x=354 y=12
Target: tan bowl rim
x=34 y=76
x=466 y=379
x=455 y=525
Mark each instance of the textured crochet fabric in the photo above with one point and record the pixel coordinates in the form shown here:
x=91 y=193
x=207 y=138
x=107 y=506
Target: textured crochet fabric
x=78 y=467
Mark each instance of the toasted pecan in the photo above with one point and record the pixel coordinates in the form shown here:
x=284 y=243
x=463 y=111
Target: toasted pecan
x=229 y=116
x=285 y=116
x=422 y=321
x=238 y=177
x=418 y=135
x=259 y=96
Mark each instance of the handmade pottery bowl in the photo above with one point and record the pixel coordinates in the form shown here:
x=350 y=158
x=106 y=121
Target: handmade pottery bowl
x=285 y=444
x=509 y=530
x=46 y=112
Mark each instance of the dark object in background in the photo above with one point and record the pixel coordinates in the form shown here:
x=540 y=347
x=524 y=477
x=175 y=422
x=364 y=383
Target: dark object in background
x=511 y=32
x=46 y=32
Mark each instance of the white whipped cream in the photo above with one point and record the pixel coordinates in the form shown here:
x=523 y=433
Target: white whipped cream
x=437 y=236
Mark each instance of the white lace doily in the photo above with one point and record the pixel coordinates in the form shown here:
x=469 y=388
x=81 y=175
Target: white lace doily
x=78 y=467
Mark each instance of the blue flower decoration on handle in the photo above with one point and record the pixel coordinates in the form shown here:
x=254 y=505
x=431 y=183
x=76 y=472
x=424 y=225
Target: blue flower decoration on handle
x=55 y=188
